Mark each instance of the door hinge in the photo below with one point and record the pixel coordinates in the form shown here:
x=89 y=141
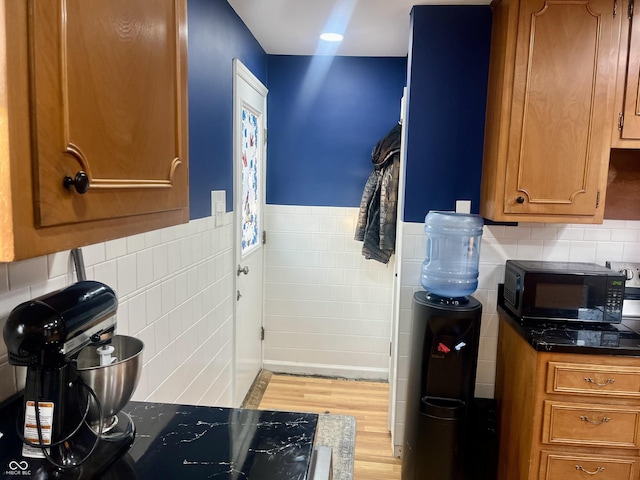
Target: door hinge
x=630 y=10
x=264 y=237
x=620 y=121
x=390 y=348
x=597 y=198
x=615 y=7
x=261 y=333
x=265 y=137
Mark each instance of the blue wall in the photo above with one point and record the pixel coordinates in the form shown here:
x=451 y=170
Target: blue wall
x=216 y=37
x=325 y=115
x=448 y=71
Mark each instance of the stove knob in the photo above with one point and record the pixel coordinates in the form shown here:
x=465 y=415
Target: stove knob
x=627 y=273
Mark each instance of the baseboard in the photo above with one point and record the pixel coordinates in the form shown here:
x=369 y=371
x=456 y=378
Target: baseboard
x=254 y=396
x=323 y=370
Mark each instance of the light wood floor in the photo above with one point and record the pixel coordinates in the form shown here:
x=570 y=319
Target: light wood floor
x=367 y=401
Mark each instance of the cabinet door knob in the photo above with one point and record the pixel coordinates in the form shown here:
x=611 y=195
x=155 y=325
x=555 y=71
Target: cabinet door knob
x=80 y=182
x=520 y=199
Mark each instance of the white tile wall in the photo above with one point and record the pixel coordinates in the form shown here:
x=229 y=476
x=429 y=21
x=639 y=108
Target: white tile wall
x=327 y=308
x=173 y=294
x=615 y=240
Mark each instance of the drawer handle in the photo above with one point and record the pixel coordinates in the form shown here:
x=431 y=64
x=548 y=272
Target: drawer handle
x=608 y=381
x=587 y=419
x=597 y=470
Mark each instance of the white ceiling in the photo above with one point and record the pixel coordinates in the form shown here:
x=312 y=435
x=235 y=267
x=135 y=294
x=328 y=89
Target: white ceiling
x=372 y=28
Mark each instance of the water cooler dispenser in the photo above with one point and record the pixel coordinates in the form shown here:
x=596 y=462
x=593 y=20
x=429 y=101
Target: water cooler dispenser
x=445 y=336
x=441 y=384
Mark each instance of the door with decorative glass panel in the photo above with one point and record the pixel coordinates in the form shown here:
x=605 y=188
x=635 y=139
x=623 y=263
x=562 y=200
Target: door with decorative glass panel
x=249 y=152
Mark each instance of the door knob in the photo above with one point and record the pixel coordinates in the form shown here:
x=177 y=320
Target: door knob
x=244 y=270
x=80 y=182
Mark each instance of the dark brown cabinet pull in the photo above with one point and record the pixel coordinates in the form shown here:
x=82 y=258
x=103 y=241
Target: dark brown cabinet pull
x=80 y=182
x=520 y=199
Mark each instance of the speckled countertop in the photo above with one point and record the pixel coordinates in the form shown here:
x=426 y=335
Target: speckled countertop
x=195 y=442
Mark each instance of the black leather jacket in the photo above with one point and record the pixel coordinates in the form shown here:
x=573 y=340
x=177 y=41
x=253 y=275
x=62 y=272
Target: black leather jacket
x=376 y=225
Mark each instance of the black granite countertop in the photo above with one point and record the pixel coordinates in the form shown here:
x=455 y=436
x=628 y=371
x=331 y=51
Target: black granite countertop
x=196 y=442
x=564 y=338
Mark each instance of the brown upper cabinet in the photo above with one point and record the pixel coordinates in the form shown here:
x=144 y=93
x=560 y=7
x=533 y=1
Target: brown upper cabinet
x=549 y=108
x=626 y=125
x=93 y=122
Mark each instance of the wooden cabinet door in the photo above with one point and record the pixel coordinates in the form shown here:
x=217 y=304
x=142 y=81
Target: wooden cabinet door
x=628 y=103
x=561 y=107
x=106 y=93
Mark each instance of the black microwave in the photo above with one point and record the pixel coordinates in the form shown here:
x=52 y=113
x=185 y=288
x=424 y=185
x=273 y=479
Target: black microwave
x=582 y=292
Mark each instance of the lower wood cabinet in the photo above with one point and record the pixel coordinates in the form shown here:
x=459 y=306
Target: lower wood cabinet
x=568 y=423
x=565 y=416
x=600 y=380
x=579 y=467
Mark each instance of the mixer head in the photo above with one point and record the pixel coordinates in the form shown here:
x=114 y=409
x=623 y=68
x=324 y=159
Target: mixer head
x=49 y=330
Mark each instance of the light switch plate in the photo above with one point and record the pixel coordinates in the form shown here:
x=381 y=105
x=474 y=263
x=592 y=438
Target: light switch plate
x=219 y=213
x=218 y=206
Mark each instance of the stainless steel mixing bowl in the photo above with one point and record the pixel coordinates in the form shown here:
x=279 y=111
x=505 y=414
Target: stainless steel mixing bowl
x=113 y=384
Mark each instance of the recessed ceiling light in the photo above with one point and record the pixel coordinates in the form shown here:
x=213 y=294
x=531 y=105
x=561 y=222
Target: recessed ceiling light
x=331 y=37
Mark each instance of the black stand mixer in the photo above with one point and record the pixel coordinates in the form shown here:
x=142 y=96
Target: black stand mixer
x=79 y=376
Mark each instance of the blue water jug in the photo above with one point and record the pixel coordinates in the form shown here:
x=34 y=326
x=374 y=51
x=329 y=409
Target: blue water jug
x=453 y=253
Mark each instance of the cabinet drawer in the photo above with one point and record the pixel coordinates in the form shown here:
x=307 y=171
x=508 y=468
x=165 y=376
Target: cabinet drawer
x=605 y=380
x=577 y=467
x=593 y=425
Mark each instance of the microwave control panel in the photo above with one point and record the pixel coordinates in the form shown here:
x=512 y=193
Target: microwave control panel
x=615 y=294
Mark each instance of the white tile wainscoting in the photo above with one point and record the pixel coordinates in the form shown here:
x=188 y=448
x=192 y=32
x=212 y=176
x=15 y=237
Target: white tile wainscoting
x=327 y=308
x=175 y=293
x=613 y=240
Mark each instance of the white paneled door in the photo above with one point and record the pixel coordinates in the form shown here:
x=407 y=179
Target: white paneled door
x=249 y=153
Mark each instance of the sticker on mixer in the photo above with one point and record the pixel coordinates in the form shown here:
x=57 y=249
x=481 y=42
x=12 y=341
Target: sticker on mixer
x=31 y=428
